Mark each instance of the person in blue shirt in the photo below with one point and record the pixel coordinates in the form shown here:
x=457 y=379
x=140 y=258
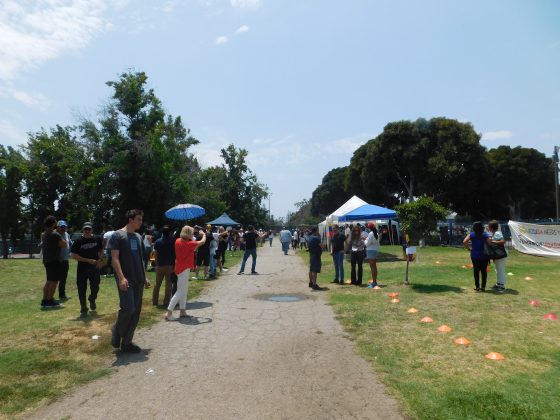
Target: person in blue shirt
x=164 y=249
x=476 y=239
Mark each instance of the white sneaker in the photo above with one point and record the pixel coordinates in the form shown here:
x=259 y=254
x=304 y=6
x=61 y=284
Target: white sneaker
x=171 y=318
x=225 y=270
x=194 y=278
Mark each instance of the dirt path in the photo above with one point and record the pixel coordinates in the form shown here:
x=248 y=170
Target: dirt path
x=241 y=357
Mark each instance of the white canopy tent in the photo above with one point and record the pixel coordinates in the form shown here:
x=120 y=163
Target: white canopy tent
x=353 y=203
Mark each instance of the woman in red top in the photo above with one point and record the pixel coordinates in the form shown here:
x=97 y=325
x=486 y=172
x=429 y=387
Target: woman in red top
x=184 y=263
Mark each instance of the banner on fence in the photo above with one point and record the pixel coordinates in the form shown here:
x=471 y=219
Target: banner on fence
x=541 y=240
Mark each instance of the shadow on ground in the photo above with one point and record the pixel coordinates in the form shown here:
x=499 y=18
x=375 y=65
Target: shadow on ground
x=194 y=320
x=198 y=305
x=124 y=359
x=435 y=288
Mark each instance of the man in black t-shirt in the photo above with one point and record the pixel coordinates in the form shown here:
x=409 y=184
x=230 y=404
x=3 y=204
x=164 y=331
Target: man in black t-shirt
x=337 y=243
x=250 y=240
x=51 y=244
x=87 y=250
x=203 y=253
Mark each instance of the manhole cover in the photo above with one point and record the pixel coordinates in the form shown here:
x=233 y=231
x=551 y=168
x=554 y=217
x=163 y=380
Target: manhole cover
x=282 y=298
x=285 y=298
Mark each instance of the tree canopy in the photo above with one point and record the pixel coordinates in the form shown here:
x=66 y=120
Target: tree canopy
x=134 y=155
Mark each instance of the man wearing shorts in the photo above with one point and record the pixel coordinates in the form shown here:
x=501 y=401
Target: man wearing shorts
x=52 y=244
x=315 y=248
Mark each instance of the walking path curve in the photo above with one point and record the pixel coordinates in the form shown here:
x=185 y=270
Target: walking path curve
x=240 y=357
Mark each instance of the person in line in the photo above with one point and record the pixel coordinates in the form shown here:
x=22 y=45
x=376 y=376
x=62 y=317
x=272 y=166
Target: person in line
x=303 y=236
x=203 y=253
x=337 y=251
x=127 y=252
x=315 y=247
x=61 y=228
x=214 y=238
x=51 y=245
x=164 y=249
x=250 y=240
x=285 y=239
x=222 y=246
x=87 y=250
x=476 y=239
x=107 y=248
x=295 y=239
x=270 y=237
x=148 y=239
x=185 y=246
x=357 y=247
x=497 y=238
x=372 y=249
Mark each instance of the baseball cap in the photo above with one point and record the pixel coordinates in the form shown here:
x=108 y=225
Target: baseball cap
x=87 y=225
x=62 y=223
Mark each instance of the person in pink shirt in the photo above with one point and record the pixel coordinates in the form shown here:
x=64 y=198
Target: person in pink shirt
x=185 y=246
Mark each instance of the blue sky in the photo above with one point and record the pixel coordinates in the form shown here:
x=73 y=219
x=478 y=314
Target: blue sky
x=300 y=84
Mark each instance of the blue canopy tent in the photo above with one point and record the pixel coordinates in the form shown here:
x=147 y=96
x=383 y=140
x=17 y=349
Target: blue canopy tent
x=368 y=212
x=223 y=220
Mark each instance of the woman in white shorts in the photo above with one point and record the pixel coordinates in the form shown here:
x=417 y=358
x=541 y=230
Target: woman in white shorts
x=372 y=249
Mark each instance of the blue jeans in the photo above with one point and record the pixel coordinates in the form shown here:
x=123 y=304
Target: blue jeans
x=129 y=312
x=213 y=262
x=338 y=259
x=285 y=247
x=253 y=253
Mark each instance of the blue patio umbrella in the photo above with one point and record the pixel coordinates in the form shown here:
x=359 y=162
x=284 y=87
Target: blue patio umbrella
x=185 y=212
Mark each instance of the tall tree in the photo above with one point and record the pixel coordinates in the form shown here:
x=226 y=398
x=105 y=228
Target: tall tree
x=331 y=194
x=242 y=191
x=12 y=172
x=141 y=156
x=521 y=184
x=52 y=161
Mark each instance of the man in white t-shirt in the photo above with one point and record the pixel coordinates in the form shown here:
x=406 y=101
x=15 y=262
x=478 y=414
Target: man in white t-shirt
x=107 y=250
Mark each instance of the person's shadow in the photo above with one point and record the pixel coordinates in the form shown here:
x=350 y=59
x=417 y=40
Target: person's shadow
x=435 y=288
x=124 y=359
x=194 y=320
x=198 y=305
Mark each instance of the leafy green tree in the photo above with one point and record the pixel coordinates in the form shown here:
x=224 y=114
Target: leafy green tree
x=140 y=155
x=520 y=184
x=53 y=159
x=12 y=173
x=242 y=191
x=418 y=218
x=331 y=194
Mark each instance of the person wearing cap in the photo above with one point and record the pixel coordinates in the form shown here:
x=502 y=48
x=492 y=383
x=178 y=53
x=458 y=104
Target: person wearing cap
x=372 y=249
x=51 y=244
x=87 y=250
x=61 y=228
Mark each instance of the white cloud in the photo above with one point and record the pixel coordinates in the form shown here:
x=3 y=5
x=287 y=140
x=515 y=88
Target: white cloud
x=497 y=135
x=246 y=4
x=10 y=134
x=33 y=32
x=32 y=100
x=221 y=40
x=168 y=6
x=242 y=29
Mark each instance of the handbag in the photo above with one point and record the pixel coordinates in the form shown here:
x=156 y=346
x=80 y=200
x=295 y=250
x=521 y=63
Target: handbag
x=494 y=252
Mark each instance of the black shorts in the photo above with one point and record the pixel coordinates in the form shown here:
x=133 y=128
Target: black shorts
x=203 y=258
x=315 y=264
x=55 y=270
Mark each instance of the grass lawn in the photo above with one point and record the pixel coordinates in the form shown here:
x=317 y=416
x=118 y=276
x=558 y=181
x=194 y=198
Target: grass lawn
x=423 y=368
x=44 y=353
